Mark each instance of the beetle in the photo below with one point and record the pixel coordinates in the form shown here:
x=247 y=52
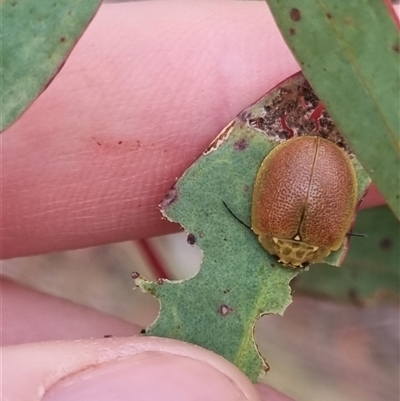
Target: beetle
x=304 y=200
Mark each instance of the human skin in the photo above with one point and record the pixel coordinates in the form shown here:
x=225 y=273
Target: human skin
x=146 y=89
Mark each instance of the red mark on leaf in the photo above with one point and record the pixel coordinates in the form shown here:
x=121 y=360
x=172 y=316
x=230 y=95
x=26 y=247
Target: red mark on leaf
x=295 y=14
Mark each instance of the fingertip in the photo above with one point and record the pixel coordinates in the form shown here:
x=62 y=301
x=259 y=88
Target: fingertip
x=31 y=316
x=140 y=368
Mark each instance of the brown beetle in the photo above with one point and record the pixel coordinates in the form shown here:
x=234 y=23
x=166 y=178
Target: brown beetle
x=304 y=199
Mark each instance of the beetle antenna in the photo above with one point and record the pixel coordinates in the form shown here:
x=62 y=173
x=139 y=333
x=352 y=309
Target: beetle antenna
x=237 y=218
x=357 y=235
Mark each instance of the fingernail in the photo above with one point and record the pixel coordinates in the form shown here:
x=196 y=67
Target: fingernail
x=146 y=377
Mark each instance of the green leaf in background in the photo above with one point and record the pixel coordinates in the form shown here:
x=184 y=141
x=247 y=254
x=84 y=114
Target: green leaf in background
x=349 y=52
x=36 y=38
x=238 y=281
x=371 y=267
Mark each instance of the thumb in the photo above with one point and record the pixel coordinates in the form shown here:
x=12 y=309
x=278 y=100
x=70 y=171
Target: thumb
x=140 y=368
x=118 y=368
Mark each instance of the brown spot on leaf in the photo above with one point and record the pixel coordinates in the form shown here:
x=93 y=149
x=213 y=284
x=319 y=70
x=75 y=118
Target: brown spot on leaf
x=224 y=309
x=329 y=15
x=241 y=144
x=295 y=14
x=385 y=244
x=62 y=39
x=292 y=31
x=191 y=239
x=396 y=48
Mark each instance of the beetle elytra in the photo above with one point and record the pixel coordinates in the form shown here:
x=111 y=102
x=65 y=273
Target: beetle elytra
x=304 y=200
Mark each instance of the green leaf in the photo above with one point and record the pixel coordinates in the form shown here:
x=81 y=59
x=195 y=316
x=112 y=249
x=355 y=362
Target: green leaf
x=371 y=267
x=238 y=280
x=36 y=38
x=349 y=52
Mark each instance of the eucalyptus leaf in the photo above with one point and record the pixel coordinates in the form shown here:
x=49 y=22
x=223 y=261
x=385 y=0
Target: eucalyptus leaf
x=349 y=52
x=238 y=281
x=36 y=38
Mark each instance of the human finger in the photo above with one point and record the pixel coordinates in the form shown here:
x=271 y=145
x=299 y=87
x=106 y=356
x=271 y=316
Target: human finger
x=31 y=316
x=146 y=89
